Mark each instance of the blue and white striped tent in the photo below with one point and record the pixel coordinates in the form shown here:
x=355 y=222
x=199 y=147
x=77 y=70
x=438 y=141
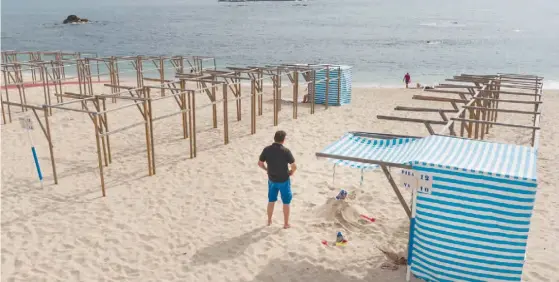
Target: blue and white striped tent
x=474 y=225
x=345 y=86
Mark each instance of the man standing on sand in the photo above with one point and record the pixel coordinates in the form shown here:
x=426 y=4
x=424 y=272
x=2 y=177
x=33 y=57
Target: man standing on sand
x=277 y=159
x=407 y=79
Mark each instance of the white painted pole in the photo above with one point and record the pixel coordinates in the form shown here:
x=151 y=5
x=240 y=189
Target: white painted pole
x=412 y=229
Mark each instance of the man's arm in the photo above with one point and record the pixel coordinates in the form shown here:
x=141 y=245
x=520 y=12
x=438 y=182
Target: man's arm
x=261 y=161
x=291 y=161
x=262 y=165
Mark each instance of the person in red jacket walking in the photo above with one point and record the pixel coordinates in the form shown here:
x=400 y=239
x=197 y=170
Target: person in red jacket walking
x=407 y=79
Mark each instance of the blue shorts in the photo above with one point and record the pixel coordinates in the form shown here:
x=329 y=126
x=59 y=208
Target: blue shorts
x=283 y=187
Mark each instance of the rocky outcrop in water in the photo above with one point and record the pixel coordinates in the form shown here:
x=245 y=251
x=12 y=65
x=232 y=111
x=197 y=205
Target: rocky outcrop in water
x=74 y=19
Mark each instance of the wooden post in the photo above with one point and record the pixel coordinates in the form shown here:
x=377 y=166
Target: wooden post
x=106 y=123
x=19 y=77
x=51 y=147
x=148 y=141
x=101 y=131
x=497 y=94
x=79 y=71
x=89 y=76
x=278 y=93
x=96 y=124
x=193 y=121
x=396 y=190
x=189 y=123
x=252 y=107
x=150 y=116
x=182 y=106
x=260 y=91
x=139 y=76
x=339 y=86
x=327 y=87
x=225 y=115
x=477 y=117
x=214 y=106
x=97 y=66
x=275 y=100
x=295 y=93
x=238 y=96
x=47 y=86
x=162 y=73
x=7 y=97
x=312 y=91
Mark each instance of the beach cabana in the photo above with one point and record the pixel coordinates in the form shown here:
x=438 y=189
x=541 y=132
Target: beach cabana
x=470 y=220
x=328 y=76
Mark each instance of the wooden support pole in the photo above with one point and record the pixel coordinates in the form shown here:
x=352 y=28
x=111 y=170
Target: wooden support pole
x=252 y=107
x=225 y=116
x=499 y=123
x=295 y=93
x=214 y=106
x=7 y=97
x=106 y=124
x=260 y=90
x=185 y=123
x=193 y=121
x=51 y=147
x=312 y=91
x=150 y=117
x=396 y=190
x=189 y=126
x=99 y=158
x=275 y=101
x=327 y=87
x=339 y=86
x=278 y=96
x=238 y=90
x=148 y=141
x=19 y=78
x=101 y=130
x=162 y=73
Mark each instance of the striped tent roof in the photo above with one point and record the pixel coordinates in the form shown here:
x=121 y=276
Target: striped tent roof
x=470 y=156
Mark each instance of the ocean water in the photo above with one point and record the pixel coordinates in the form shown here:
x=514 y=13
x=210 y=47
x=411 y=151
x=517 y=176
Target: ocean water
x=382 y=40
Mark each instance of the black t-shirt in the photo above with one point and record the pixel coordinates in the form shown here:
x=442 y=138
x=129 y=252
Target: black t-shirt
x=277 y=157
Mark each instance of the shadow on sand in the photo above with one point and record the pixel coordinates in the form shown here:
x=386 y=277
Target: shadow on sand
x=229 y=249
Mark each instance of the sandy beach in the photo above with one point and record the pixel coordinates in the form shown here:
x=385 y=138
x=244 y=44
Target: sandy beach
x=204 y=219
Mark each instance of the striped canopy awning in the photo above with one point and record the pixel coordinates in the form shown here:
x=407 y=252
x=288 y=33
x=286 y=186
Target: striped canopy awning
x=470 y=156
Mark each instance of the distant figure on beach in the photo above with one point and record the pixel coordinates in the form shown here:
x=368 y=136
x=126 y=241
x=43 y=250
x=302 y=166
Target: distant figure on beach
x=275 y=160
x=407 y=79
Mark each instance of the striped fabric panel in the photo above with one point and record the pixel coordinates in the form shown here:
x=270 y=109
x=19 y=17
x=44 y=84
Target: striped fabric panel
x=473 y=156
x=366 y=148
x=507 y=162
x=345 y=86
x=471 y=227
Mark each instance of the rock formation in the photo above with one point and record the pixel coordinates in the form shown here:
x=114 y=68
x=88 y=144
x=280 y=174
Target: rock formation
x=74 y=19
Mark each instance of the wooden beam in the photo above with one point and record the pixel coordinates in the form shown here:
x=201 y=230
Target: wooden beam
x=396 y=190
x=496 y=123
x=508 y=101
x=502 y=110
x=411 y=119
x=430 y=110
x=437 y=99
x=512 y=93
x=447 y=91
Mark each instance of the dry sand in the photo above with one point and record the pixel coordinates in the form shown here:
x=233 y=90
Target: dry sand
x=204 y=219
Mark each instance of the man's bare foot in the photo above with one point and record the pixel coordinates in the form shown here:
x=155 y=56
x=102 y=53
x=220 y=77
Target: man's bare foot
x=285 y=226
x=269 y=222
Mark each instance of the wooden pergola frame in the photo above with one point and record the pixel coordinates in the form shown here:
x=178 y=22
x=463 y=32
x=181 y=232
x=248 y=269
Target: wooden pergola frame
x=481 y=103
x=50 y=69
